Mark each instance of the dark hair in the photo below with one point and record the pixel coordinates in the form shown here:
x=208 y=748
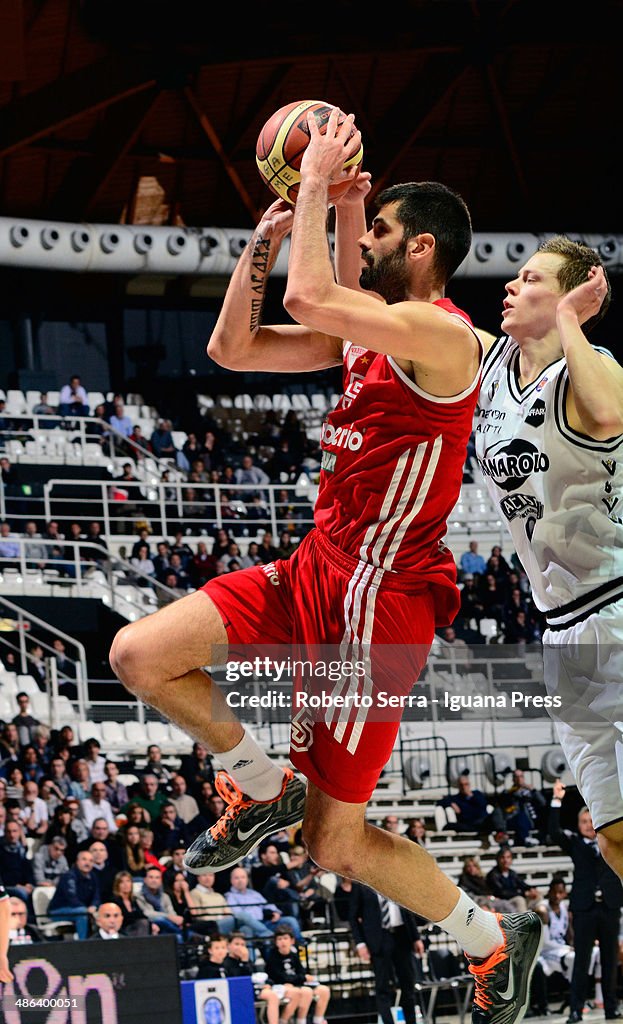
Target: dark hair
x=283 y=929
x=432 y=207
x=578 y=260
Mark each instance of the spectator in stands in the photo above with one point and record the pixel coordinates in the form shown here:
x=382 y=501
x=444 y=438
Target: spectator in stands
x=197 y=768
x=237 y=964
x=173 y=591
x=169 y=830
x=595 y=903
x=81 y=780
x=472 y=563
x=108 y=922
x=121 y=422
x=416 y=831
x=250 y=474
x=266 y=549
x=391 y=823
x=472 y=813
x=184 y=581
x=21 y=932
x=144 y=536
x=9 y=547
x=96 y=806
x=93 y=535
x=73 y=399
x=144 y=566
x=66 y=669
x=161 y=440
x=35 y=551
x=287 y=546
x=202 y=566
x=96 y=762
x=186 y=806
x=506 y=884
x=116 y=791
x=492 y=597
x=176 y=867
x=61 y=825
x=212 y=964
x=33 y=812
x=77 y=824
x=472 y=880
x=149 y=795
x=155 y=765
x=42 y=742
x=9 y=747
x=558 y=954
x=284 y=967
x=307 y=879
x=284 y=462
x=43 y=408
x=50 y=862
x=132 y=853
x=15 y=783
x=32 y=769
x=156 y=904
x=209 y=909
x=24 y=720
x=500 y=565
x=5 y=422
x=77 y=895
x=15 y=867
x=471 y=603
x=161 y=560
x=59 y=779
x=519 y=629
x=270 y=878
x=241 y=895
x=135 y=814
x=102 y=869
x=134 y=921
x=36 y=665
x=531 y=802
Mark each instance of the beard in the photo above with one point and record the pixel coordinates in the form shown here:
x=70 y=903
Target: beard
x=387 y=275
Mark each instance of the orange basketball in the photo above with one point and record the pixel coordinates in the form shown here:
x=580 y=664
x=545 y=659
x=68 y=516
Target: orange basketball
x=282 y=142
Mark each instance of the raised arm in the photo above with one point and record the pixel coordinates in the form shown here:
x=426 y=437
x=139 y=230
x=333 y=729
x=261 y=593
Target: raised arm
x=595 y=400
x=416 y=331
x=239 y=341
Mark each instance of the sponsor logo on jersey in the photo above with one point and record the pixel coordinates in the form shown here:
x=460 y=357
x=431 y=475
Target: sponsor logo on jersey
x=341 y=437
x=510 y=463
x=520 y=506
x=543 y=381
x=492 y=390
x=327 y=462
x=536 y=416
x=352 y=389
x=270 y=570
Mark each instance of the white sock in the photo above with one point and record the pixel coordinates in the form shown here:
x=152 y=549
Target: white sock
x=252 y=769
x=317 y=1020
x=476 y=930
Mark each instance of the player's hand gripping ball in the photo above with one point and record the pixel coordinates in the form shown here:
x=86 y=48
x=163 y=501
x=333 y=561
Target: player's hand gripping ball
x=282 y=142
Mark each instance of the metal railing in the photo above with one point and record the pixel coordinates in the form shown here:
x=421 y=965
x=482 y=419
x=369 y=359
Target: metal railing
x=72 y=439
x=122 y=508
x=81 y=569
x=15 y=641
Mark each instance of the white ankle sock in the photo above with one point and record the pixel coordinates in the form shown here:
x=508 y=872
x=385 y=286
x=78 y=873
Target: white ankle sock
x=476 y=930
x=252 y=769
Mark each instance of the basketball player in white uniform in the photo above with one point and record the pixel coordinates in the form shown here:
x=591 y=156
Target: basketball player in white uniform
x=549 y=441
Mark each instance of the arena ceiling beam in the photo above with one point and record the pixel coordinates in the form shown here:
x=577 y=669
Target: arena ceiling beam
x=117 y=131
x=89 y=89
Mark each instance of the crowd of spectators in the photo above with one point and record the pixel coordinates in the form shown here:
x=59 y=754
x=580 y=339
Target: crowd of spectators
x=496 y=589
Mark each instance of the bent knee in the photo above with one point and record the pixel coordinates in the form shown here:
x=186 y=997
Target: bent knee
x=331 y=852
x=131 y=662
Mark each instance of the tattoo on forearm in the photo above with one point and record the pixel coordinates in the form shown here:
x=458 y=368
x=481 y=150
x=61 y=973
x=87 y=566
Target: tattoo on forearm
x=259 y=272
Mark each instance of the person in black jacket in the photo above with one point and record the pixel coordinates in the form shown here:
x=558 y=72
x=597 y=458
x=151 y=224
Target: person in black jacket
x=213 y=965
x=284 y=967
x=386 y=936
x=77 y=895
x=595 y=902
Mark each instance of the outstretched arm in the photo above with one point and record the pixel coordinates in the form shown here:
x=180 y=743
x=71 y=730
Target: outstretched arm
x=239 y=341
x=595 y=400
x=350 y=226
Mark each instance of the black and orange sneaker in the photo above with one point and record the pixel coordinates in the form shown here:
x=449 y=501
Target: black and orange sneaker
x=502 y=980
x=244 y=823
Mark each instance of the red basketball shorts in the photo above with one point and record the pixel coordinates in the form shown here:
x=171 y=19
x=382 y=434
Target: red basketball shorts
x=371 y=623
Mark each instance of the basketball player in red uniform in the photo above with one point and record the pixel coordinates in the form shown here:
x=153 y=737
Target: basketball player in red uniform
x=373 y=578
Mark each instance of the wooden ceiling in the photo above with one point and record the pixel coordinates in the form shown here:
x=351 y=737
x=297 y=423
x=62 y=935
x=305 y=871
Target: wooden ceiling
x=139 y=110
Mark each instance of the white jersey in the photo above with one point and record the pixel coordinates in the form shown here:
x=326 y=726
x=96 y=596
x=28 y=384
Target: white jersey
x=558 y=491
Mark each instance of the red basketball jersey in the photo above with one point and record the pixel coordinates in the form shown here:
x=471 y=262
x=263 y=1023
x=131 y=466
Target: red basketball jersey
x=392 y=468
